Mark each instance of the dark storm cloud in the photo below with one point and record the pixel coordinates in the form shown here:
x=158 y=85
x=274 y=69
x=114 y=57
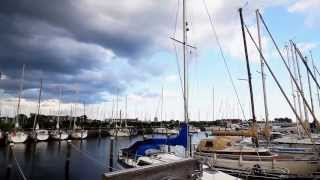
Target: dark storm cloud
x=70 y=16
x=73 y=45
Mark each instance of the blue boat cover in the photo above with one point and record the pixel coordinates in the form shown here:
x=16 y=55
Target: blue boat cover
x=139 y=148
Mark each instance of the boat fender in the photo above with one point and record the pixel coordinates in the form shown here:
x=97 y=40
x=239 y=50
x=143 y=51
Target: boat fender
x=256 y=169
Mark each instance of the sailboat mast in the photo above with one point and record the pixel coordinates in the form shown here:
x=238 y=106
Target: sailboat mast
x=75 y=116
x=213 y=103
x=112 y=111
x=126 y=112
x=185 y=91
x=59 y=109
x=291 y=63
x=84 y=113
x=116 y=114
x=38 y=111
x=19 y=97
x=249 y=75
x=310 y=88
x=263 y=77
x=315 y=76
x=161 y=107
x=302 y=91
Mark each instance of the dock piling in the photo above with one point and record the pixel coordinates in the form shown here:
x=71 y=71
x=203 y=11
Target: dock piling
x=111 y=154
x=67 y=164
x=9 y=167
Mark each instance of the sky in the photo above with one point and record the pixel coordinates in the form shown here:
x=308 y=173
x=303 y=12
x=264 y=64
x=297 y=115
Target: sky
x=106 y=53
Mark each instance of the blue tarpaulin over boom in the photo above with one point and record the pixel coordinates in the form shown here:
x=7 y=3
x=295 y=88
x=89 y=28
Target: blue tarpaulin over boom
x=139 y=148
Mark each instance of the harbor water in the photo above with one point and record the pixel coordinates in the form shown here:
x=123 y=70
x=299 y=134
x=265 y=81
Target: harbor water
x=89 y=158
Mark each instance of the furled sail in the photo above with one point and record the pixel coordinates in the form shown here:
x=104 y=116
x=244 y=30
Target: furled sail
x=139 y=148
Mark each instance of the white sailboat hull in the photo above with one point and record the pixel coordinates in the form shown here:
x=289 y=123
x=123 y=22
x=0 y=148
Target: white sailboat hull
x=120 y=132
x=62 y=135
x=1 y=135
x=301 y=167
x=292 y=141
x=17 y=137
x=79 y=134
x=42 y=135
x=123 y=133
x=165 y=131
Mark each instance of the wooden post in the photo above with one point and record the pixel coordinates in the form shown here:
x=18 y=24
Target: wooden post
x=9 y=167
x=111 y=154
x=7 y=136
x=67 y=164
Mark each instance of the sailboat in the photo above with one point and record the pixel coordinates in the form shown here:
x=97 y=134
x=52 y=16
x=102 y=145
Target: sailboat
x=148 y=151
x=77 y=132
x=119 y=131
x=17 y=135
x=41 y=134
x=194 y=130
x=37 y=133
x=222 y=154
x=299 y=140
x=59 y=134
x=2 y=138
x=253 y=162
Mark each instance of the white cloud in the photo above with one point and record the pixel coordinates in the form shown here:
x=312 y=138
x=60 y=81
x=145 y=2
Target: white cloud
x=171 y=78
x=305 y=47
x=310 y=8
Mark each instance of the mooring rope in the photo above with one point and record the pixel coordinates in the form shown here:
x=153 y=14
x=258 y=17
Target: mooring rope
x=18 y=165
x=87 y=155
x=224 y=58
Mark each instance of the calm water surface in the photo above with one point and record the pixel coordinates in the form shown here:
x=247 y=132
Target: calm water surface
x=89 y=158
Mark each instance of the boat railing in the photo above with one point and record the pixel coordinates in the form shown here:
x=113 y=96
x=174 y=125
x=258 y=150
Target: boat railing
x=237 y=157
x=268 y=171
